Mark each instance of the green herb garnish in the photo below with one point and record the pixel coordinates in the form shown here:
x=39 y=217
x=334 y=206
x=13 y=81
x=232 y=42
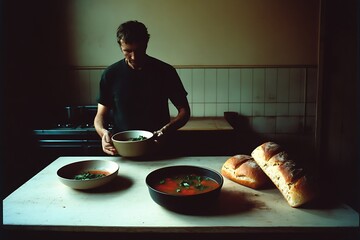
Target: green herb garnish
x=140 y=138
x=88 y=176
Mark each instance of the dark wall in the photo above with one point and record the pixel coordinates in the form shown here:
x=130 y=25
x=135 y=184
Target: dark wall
x=33 y=48
x=339 y=155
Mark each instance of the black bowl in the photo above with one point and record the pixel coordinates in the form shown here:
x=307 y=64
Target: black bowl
x=184 y=203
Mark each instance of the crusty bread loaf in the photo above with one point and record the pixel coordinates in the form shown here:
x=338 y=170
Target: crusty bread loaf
x=284 y=173
x=244 y=170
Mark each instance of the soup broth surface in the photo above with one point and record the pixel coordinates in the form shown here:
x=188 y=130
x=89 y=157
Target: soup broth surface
x=186 y=184
x=91 y=174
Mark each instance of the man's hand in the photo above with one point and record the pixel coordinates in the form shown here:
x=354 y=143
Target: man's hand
x=107 y=144
x=159 y=133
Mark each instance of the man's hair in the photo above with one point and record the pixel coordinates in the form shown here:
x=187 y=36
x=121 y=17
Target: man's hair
x=132 y=32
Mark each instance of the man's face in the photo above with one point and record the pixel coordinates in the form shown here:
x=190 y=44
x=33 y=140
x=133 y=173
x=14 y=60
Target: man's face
x=134 y=53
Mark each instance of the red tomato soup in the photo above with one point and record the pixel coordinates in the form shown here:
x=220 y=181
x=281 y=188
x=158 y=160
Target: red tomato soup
x=99 y=172
x=186 y=184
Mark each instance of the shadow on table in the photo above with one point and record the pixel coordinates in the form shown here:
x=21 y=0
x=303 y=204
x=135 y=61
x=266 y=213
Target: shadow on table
x=120 y=183
x=228 y=203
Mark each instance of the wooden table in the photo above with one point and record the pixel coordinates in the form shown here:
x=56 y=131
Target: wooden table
x=44 y=206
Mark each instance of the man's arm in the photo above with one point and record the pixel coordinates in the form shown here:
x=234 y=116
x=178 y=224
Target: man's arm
x=177 y=122
x=99 y=120
x=99 y=123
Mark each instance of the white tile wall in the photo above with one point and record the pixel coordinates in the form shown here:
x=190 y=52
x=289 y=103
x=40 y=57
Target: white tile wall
x=246 y=86
x=210 y=86
x=234 y=90
x=198 y=83
x=276 y=100
x=264 y=124
x=296 y=85
x=282 y=85
x=258 y=85
x=271 y=85
x=222 y=88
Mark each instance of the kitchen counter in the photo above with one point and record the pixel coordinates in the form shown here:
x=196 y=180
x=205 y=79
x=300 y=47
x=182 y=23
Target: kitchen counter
x=44 y=204
x=201 y=136
x=206 y=124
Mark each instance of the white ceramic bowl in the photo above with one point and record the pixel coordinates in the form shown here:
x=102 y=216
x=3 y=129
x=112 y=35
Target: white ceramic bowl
x=67 y=173
x=127 y=147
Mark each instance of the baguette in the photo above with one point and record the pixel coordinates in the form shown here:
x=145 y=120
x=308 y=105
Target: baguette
x=284 y=172
x=244 y=170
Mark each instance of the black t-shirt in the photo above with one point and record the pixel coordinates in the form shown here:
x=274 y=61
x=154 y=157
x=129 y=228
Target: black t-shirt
x=139 y=98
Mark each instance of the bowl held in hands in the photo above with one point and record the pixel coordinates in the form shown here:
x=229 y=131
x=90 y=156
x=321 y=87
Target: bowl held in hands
x=134 y=143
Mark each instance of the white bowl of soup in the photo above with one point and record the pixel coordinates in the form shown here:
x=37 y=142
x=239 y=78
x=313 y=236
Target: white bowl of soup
x=135 y=143
x=88 y=174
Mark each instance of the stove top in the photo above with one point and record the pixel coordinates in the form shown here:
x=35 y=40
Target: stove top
x=65 y=130
x=75 y=120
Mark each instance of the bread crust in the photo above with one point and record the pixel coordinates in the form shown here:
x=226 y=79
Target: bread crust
x=285 y=174
x=266 y=150
x=244 y=170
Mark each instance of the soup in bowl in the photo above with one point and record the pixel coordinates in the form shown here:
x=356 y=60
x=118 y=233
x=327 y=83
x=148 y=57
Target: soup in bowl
x=135 y=143
x=184 y=188
x=88 y=174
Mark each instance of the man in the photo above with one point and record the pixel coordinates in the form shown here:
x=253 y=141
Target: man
x=136 y=90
